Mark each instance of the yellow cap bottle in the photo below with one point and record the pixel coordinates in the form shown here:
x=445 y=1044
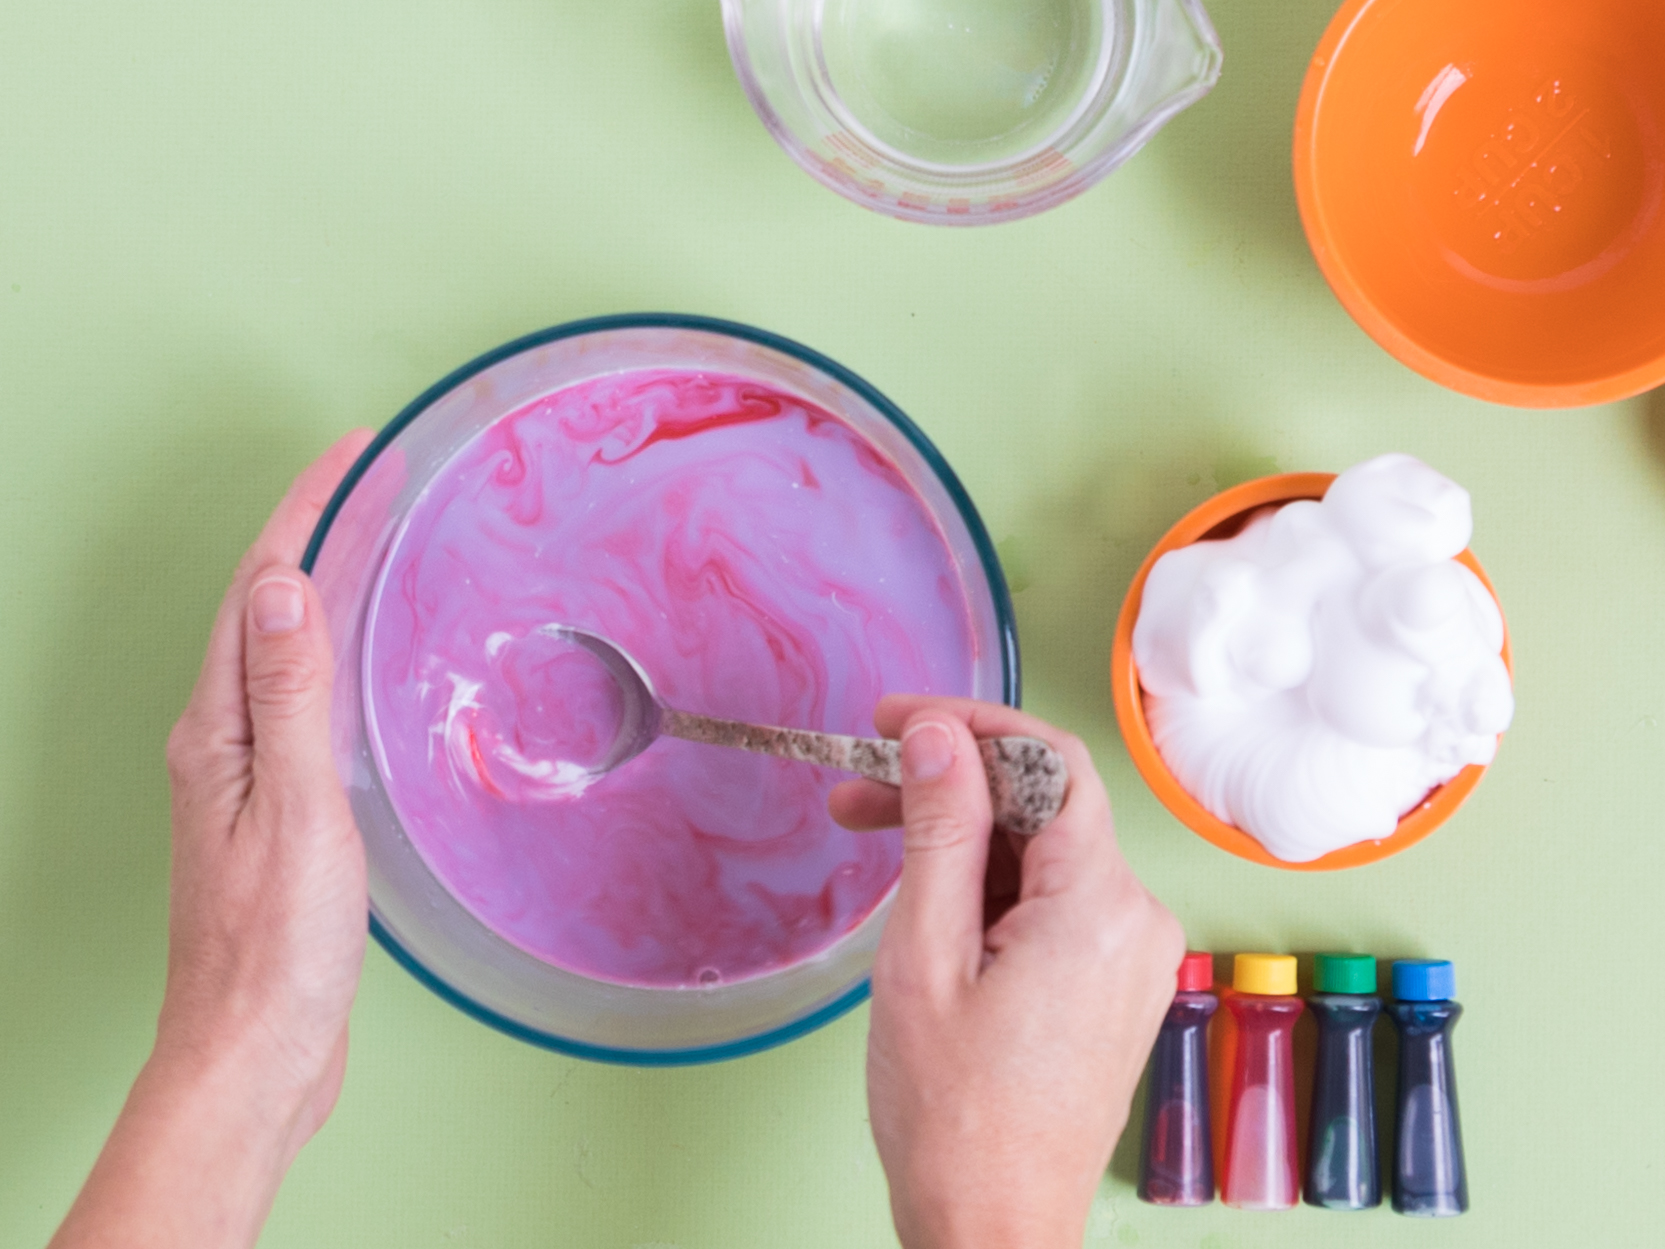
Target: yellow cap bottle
x=1269 y=975
x=1262 y=1166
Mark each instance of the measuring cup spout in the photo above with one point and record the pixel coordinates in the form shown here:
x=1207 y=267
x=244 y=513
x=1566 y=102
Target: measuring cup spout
x=1174 y=63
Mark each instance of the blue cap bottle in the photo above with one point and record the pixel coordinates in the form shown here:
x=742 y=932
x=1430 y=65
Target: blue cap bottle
x=1429 y=1178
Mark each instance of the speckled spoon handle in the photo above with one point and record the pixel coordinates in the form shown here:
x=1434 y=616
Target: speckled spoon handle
x=1027 y=778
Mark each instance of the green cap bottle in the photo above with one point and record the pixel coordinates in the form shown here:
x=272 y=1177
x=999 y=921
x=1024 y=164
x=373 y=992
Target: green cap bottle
x=1344 y=973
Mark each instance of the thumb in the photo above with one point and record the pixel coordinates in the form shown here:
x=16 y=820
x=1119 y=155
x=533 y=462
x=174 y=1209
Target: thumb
x=945 y=847
x=287 y=665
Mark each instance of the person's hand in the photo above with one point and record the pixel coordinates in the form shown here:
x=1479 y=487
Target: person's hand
x=1013 y=1010
x=268 y=901
x=267 y=919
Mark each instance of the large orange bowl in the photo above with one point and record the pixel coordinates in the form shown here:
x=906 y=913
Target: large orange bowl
x=1482 y=184
x=1220 y=517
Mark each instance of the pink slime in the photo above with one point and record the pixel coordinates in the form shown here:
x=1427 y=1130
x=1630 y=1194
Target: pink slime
x=762 y=561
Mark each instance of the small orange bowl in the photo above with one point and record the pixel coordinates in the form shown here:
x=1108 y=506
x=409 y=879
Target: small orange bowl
x=1482 y=183
x=1221 y=517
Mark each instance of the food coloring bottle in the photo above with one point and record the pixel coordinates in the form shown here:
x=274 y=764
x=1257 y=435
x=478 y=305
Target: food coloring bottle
x=1342 y=1168
x=1262 y=1161
x=1429 y=1179
x=1176 y=1167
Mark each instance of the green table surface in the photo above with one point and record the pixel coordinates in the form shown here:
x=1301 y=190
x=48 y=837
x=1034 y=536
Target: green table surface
x=229 y=231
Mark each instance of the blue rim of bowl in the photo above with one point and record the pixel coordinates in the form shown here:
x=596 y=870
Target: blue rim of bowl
x=1005 y=623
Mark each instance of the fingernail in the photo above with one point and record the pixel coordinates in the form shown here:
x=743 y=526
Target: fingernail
x=927 y=752
x=279 y=605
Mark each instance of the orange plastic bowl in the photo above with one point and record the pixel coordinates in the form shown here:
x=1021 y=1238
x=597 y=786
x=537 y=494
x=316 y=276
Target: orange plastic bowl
x=1221 y=517
x=1481 y=182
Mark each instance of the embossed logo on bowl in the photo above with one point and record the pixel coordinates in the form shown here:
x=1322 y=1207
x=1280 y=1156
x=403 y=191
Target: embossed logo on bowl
x=1530 y=170
x=1555 y=193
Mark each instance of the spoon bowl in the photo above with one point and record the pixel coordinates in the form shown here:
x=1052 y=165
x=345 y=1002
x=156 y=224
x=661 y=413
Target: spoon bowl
x=640 y=716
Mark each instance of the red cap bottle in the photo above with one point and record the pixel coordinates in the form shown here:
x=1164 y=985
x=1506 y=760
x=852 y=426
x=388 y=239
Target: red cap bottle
x=1196 y=972
x=1177 y=1162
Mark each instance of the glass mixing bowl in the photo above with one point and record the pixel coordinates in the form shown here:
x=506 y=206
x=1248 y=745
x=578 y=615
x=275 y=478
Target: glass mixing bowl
x=411 y=913
x=966 y=112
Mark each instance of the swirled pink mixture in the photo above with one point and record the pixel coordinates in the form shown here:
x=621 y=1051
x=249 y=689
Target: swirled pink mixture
x=762 y=561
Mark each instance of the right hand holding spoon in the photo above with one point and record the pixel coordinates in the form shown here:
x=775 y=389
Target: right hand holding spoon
x=1014 y=1003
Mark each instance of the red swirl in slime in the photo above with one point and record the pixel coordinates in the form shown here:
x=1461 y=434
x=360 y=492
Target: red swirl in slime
x=762 y=561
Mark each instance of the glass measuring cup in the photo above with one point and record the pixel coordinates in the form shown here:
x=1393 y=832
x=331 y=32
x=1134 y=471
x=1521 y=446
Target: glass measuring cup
x=968 y=112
